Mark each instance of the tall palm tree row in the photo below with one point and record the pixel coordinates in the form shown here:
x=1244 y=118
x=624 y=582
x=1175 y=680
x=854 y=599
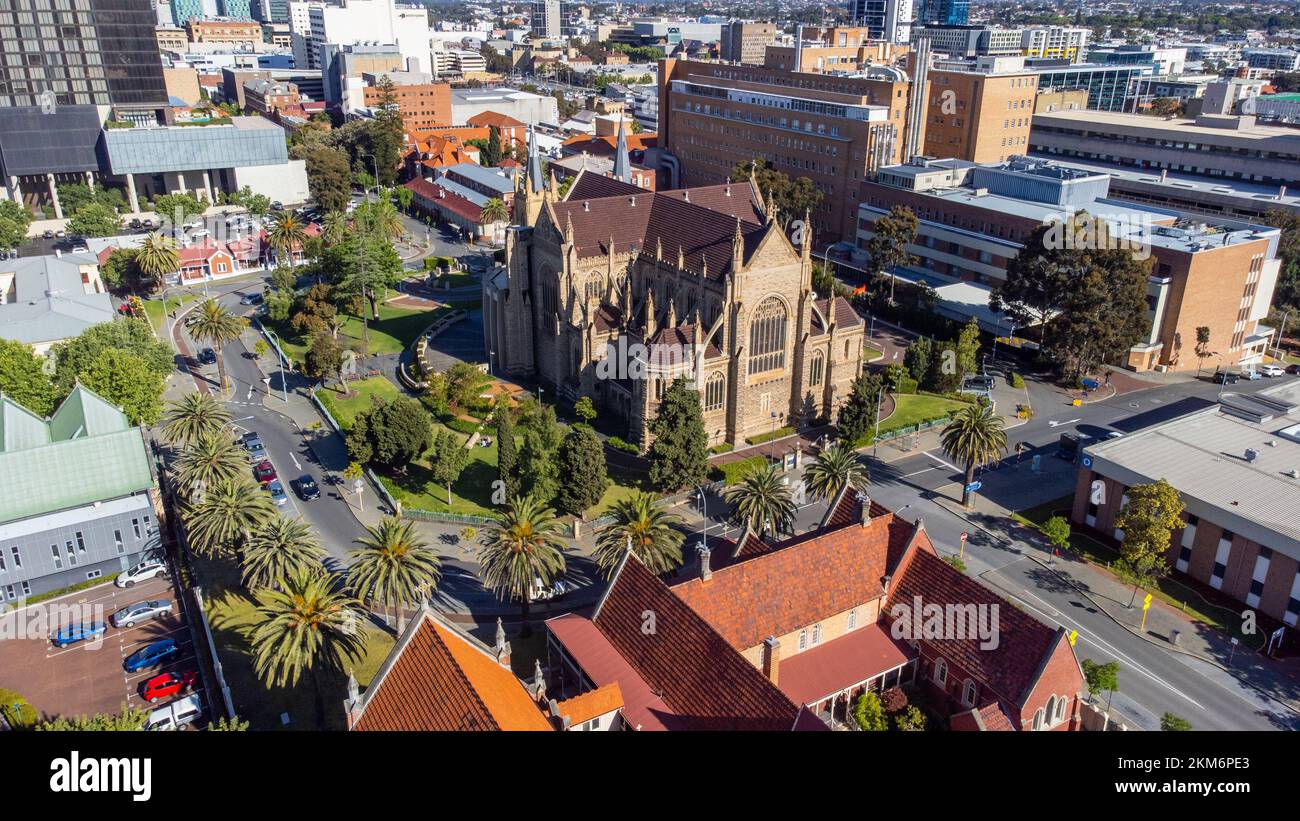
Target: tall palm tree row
x=213 y=325
x=157 y=257
x=525 y=547
x=224 y=517
x=279 y=549
x=210 y=459
x=309 y=624
x=192 y=417
x=974 y=437
x=393 y=566
x=645 y=527
x=286 y=234
x=835 y=467
x=761 y=502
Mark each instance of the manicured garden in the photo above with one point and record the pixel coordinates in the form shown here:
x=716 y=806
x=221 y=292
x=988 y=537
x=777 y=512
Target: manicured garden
x=395 y=330
x=913 y=409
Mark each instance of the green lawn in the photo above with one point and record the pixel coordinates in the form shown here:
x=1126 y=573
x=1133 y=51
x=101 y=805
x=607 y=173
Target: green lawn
x=153 y=308
x=911 y=409
x=345 y=409
x=869 y=353
x=395 y=329
x=311 y=704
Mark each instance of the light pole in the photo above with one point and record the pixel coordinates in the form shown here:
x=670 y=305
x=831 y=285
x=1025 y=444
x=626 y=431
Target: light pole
x=1277 y=343
x=284 y=370
x=875 y=439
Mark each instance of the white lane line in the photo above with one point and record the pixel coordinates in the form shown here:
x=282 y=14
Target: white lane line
x=948 y=465
x=917 y=472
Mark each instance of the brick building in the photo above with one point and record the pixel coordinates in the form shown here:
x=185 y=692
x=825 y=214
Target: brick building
x=423 y=106
x=268 y=96
x=979 y=116
x=245 y=33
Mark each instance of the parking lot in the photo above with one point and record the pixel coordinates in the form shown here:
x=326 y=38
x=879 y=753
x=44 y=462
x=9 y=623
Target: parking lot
x=90 y=677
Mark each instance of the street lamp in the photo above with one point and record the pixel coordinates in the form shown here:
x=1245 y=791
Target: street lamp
x=1277 y=343
x=875 y=439
x=279 y=353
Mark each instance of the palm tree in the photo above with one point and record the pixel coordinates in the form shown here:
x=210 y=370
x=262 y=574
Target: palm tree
x=494 y=210
x=974 y=436
x=334 y=227
x=761 y=502
x=645 y=527
x=210 y=459
x=285 y=234
x=380 y=218
x=834 y=468
x=193 y=416
x=157 y=257
x=279 y=549
x=216 y=326
x=523 y=547
x=393 y=566
x=308 y=625
x=226 y=515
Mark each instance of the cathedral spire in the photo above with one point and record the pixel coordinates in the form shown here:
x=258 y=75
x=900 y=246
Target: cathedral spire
x=649 y=313
x=536 y=182
x=737 y=248
x=805 y=250
x=622 y=164
x=672 y=314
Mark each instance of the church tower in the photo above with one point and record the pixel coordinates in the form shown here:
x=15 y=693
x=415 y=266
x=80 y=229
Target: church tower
x=530 y=193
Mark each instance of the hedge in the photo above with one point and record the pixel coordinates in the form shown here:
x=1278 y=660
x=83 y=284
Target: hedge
x=724 y=447
x=769 y=436
x=620 y=444
x=465 y=426
x=1016 y=380
x=907 y=385
x=733 y=472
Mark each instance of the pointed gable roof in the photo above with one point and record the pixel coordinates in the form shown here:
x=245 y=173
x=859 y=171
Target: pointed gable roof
x=438 y=679
x=700 y=677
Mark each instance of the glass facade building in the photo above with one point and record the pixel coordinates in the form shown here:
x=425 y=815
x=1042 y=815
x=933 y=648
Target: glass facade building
x=944 y=13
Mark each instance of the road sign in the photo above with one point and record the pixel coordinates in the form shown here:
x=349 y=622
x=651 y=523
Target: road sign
x=1086 y=461
x=974 y=486
x=963 y=544
x=1146 y=603
x=1074 y=636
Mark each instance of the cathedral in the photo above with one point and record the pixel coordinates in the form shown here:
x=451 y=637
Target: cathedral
x=612 y=292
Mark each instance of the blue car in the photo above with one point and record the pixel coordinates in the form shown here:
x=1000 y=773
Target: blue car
x=150 y=656
x=75 y=633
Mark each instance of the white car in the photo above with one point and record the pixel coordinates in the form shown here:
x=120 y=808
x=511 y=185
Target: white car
x=556 y=590
x=145 y=570
x=179 y=713
x=1272 y=370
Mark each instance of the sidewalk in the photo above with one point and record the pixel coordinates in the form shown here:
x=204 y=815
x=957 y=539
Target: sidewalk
x=1279 y=680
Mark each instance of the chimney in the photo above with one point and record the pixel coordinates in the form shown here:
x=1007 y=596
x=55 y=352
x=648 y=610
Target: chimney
x=772 y=658
x=706 y=572
x=865 y=501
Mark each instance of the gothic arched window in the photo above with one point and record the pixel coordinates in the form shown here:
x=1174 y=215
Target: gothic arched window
x=767 y=336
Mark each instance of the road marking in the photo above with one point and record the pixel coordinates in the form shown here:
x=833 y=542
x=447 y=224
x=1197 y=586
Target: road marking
x=948 y=465
x=1054 y=423
x=916 y=472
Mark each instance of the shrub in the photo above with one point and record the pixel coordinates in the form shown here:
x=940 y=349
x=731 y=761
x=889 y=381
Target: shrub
x=769 y=436
x=1016 y=380
x=468 y=534
x=907 y=385
x=911 y=720
x=869 y=713
x=722 y=447
x=733 y=472
x=465 y=426
x=16 y=711
x=894 y=699
x=955 y=563
x=620 y=444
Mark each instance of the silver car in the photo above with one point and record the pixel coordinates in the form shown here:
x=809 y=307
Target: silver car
x=141 y=611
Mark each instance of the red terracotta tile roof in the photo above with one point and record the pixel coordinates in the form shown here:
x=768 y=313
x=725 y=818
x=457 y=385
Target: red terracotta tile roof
x=489 y=118
x=591 y=704
x=438 y=679
x=445 y=198
x=994 y=718
x=859 y=655
x=799 y=581
x=1011 y=668
x=707 y=684
x=606 y=146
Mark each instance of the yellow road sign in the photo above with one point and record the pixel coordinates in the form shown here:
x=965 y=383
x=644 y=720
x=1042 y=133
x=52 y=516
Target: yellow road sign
x=1074 y=636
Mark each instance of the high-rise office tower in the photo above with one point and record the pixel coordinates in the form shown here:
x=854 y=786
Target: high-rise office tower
x=94 y=52
x=889 y=20
x=943 y=13
x=235 y=9
x=551 y=19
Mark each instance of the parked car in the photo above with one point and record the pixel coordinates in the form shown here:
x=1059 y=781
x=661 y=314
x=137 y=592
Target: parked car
x=135 y=223
x=555 y=590
x=141 y=611
x=1226 y=378
x=180 y=713
x=306 y=488
x=168 y=685
x=1250 y=375
x=1271 y=371
x=264 y=472
x=256 y=450
x=75 y=633
x=145 y=570
x=150 y=655
x=277 y=492
x=207 y=356
x=251 y=299
x=1293 y=369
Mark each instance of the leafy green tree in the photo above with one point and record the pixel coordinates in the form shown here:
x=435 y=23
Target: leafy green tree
x=448 y=457
x=917 y=358
x=857 y=417
x=507 y=453
x=394 y=566
x=228 y=725
x=324 y=358
x=792 y=198
x=835 y=467
x=404 y=197
x=1174 y=723
x=362 y=266
x=390 y=433
x=14 y=222
x=823 y=281
x=1039 y=279
x=329 y=178
x=23 y=379
x=584 y=409
x=539 y=458
x=127 y=381
x=644 y=526
x=1101 y=678
x=119 y=269
x=75 y=356
x=1153 y=512
x=192 y=417
x=465 y=383
x=491 y=156
x=582 y=463
x=1203 y=351
x=679 y=453
x=520 y=551
x=157 y=258
x=213 y=324
x=869 y=713
x=131 y=718
x=224 y=515
x=945 y=371
x=277 y=550
x=94 y=220
x=1057 y=531
x=386 y=132
x=178 y=208
x=911 y=720
x=761 y=502
x=892 y=233
x=210 y=459
x=967 y=347
x=308 y=625
x=974 y=437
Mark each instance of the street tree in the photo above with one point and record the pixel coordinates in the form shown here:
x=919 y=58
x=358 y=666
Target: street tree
x=192 y=417
x=761 y=503
x=679 y=453
x=23 y=378
x=582 y=463
x=279 y=549
x=127 y=381
x=974 y=437
x=1203 y=351
x=213 y=324
x=522 y=551
x=644 y=526
x=1153 y=512
x=834 y=468
x=394 y=566
x=157 y=258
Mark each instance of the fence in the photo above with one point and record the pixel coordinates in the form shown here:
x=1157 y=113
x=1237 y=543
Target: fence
x=449 y=518
x=890 y=435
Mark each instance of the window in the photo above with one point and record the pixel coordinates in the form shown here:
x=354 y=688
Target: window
x=58 y=560
x=816 y=368
x=27 y=589
x=714 y=389
x=94 y=574
x=817 y=635
x=767 y=336
x=803 y=640
x=968 y=693
x=853 y=620
x=1038 y=720
x=18 y=558
x=117 y=538
x=81 y=542
x=135 y=525
x=941 y=672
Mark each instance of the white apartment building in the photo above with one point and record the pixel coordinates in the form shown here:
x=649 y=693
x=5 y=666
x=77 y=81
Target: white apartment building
x=348 y=22
x=1055 y=42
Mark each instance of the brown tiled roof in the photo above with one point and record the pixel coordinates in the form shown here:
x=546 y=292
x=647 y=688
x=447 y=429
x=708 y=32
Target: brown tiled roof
x=839 y=310
x=706 y=683
x=1011 y=667
x=799 y=581
x=701 y=222
x=667 y=340
x=438 y=679
x=591 y=704
x=589 y=185
x=829 y=668
x=608 y=317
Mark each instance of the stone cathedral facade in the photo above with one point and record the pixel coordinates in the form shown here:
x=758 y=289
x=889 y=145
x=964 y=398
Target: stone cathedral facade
x=613 y=291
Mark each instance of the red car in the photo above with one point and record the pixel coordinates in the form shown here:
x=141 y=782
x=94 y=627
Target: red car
x=167 y=685
x=264 y=472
